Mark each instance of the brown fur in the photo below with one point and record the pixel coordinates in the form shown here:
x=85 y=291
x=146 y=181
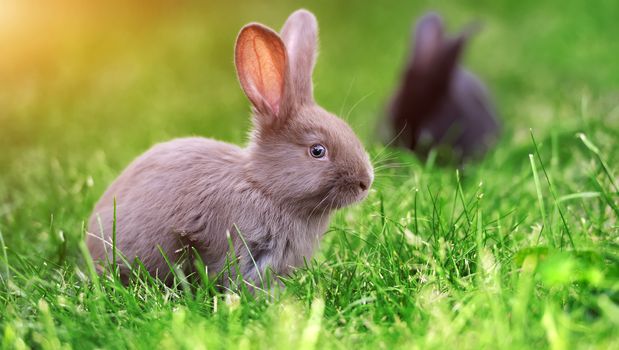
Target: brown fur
x=193 y=192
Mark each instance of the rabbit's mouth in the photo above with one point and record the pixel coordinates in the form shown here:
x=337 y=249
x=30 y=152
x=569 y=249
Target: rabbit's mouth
x=350 y=194
x=341 y=194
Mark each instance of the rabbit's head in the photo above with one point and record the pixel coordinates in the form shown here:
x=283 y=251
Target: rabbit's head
x=298 y=152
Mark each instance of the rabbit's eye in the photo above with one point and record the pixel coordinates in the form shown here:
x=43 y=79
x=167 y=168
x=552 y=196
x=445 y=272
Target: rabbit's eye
x=317 y=151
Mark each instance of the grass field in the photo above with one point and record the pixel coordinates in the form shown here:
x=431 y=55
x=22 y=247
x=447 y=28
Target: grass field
x=519 y=250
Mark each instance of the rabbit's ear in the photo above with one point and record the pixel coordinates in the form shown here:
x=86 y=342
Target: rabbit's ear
x=451 y=51
x=428 y=41
x=262 y=67
x=300 y=34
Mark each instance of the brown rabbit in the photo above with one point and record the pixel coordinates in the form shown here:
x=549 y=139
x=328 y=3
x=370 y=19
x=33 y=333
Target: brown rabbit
x=438 y=104
x=273 y=197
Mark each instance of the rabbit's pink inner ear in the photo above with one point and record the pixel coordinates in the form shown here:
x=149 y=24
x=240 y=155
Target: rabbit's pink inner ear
x=261 y=64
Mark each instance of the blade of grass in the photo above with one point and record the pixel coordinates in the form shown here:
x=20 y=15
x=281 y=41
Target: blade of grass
x=595 y=150
x=554 y=195
x=5 y=261
x=540 y=197
x=251 y=256
x=115 y=269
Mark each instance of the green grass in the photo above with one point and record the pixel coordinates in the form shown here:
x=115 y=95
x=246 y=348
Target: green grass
x=519 y=250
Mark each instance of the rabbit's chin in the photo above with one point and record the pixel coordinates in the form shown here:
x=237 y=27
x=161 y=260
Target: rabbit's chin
x=348 y=198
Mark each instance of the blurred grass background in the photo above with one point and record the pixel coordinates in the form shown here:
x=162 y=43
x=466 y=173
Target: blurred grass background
x=87 y=86
x=88 y=74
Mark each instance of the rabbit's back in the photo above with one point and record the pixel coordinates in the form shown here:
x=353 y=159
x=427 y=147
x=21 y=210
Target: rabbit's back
x=166 y=196
x=479 y=124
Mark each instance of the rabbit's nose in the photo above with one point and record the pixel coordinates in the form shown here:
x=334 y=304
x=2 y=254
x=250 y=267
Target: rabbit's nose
x=363 y=184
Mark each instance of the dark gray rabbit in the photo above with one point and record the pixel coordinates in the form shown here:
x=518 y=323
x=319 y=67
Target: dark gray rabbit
x=438 y=104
